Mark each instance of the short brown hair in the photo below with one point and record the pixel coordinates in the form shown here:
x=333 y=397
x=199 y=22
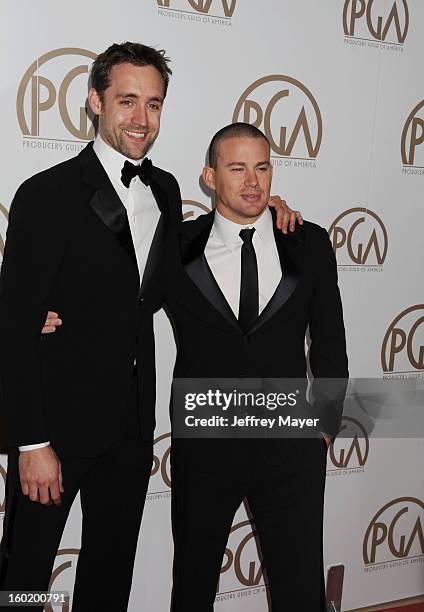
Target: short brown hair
x=230 y=131
x=131 y=53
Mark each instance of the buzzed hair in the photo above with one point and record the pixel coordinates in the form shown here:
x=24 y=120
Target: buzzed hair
x=230 y=131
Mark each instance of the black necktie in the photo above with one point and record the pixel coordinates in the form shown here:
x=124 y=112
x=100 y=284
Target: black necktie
x=249 y=289
x=143 y=170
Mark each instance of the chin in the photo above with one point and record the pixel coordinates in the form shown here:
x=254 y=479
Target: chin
x=133 y=150
x=254 y=211
x=137 y=152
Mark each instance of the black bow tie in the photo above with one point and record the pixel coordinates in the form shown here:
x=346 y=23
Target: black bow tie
x=129 y=171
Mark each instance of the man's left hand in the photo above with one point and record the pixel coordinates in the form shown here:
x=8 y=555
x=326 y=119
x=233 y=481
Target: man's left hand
x=52 y=322
x=286 y=217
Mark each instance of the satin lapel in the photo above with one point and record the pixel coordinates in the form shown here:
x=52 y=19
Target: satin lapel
x=193 y=238
x=158 y=192
x=156 y=248
x=201 y=275
x=290 y=251
x=158 y=243
x=105 y=202
x=105 y=206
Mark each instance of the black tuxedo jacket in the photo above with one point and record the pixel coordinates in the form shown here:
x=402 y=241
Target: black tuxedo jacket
x=210 y=342
x=69 y=249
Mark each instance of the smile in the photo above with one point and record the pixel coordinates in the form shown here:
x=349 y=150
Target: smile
x=138 y=135
x=252 y=197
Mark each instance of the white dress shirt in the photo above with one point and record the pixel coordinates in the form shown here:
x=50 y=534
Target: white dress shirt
x=223 y=254
x=142 y=210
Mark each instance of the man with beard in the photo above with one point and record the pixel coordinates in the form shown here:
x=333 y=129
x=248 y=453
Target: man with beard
x=77 y=406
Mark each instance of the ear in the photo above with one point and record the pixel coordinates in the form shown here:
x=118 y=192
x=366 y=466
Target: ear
x=208 y=175
x=95 y=101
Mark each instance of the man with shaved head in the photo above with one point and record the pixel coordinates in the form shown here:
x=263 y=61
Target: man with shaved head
x=241 y=299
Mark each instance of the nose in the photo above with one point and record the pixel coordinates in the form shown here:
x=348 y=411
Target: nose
x=139 y=117
x=251 y=178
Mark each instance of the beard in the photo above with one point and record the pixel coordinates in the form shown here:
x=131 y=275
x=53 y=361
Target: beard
x=118 y=142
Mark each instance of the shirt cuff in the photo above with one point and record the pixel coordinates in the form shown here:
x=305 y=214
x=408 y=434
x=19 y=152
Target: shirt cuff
x=29 y=447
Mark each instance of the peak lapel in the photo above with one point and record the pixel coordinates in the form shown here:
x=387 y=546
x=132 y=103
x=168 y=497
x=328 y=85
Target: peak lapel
x=193 y=238
x=201 y=274
x=290 y=251
x=105 y=202
x=158 y=243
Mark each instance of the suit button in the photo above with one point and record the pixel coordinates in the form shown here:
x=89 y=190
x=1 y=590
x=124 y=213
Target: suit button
x=141 y=300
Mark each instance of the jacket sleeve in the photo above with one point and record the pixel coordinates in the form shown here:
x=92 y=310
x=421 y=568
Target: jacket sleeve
x=35 y=247
x=328 y=358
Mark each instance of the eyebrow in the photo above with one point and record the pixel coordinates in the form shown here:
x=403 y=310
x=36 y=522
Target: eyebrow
x=262 y=163
x=135 y=96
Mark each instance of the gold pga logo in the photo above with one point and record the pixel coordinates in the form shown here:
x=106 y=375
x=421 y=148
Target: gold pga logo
x=350 y=452
x=4 y=216
x=52 y=96
x=193 y=209
x=63 y=577
x=412 y=139
x=287 y=112
x=225 y=7
x=359 y=238
x=241 y=565
x=403 y=343
x=160 y=479
x=395 y=533
x=383 y=21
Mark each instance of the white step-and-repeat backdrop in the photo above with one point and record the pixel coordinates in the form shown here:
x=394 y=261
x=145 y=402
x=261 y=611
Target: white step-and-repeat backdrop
x=337 y=86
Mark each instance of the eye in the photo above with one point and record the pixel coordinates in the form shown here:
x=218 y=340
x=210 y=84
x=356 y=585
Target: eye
x=236 y=169
x=126 y=102
x=154 y=106
x=263 y=168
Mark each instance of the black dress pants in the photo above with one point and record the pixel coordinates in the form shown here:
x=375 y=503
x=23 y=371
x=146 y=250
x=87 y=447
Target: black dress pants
x=113 y=489
x=286 y=502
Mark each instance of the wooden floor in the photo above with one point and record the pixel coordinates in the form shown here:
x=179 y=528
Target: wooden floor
x=394 y=604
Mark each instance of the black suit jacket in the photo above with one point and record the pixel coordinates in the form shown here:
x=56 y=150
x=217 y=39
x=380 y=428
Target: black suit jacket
x=210 y=342
x=69 y=249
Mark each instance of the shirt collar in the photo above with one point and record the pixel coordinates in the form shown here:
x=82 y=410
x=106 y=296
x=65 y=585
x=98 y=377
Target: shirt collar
x=228 y=231
x=111 y=160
